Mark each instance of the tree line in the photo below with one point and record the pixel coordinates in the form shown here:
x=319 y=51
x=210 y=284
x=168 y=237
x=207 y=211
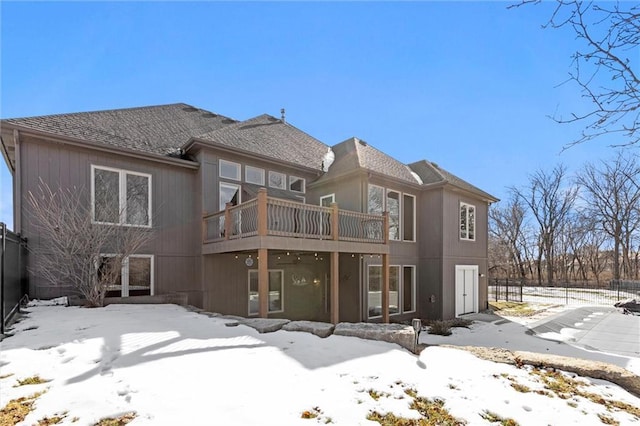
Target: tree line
x=561 y=228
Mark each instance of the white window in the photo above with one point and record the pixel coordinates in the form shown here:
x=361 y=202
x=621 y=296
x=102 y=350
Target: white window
x=375 y=200
x=229 y=170
x=402 y=290
x=277 y=180
x=254 y=175
x=408 y=217
x=393 y=207
x=135 y=277
x=120 y=197
x=467 y=222
x=296 y=184
x=408 y=289
x=327 y=200
x=229 y=193
x=276 y=286
x=394 y=290
x=374 y=290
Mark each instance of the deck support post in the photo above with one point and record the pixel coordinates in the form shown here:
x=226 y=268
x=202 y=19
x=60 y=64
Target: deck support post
x=335 y=296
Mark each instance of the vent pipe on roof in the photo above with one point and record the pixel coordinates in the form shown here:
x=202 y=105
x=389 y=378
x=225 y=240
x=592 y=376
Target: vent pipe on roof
x=282 y=116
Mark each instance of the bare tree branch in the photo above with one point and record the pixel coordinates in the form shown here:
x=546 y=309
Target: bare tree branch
x=608 y=34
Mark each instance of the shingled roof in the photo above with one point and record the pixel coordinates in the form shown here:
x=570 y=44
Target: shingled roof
x=161 y=129
x=271 y=137
x=355 y=153
x=432 y=173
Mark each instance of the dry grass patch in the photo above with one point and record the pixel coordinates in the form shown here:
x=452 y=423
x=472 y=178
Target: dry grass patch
x=33 y=380
x=53 y=420
x=565 y=387
x=432 y=412
x=492 y=417
x=17 y=409
x=4 y=376
x=117 y=421
x=516 y=309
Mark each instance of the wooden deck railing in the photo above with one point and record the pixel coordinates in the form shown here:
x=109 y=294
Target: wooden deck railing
x=273 y=216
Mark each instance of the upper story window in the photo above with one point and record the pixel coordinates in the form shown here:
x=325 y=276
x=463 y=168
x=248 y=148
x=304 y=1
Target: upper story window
x=393 y=207
x=327 y=200
x=375 y=200
x=408 y=217
x=254 y=175
x=467 y=222
x=229 y=170
x=277 y=180
x=120 y=197
x=296 y=184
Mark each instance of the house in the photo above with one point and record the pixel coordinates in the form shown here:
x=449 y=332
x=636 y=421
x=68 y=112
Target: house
x=258 y=218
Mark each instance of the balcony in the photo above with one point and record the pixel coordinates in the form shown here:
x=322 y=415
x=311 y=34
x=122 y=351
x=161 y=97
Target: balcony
x=267 y=222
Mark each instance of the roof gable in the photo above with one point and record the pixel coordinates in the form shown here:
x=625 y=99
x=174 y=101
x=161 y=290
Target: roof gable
x=355 y=153
x=431 y=173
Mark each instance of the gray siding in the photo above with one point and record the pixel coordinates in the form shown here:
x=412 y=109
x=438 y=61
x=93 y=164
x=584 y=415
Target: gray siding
x=227 y=284
x=176 y=242
x=350 y=301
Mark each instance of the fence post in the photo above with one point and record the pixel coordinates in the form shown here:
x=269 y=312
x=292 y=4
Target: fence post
x=507 y=289
x=566 y=293
x=2 y=274
x=521 y=286
x=497 y=289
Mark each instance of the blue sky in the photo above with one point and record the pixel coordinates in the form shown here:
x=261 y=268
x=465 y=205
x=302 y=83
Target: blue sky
x=468 y=85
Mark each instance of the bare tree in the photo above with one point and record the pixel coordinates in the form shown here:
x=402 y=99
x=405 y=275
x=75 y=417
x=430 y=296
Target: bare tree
x=612 y=196
x=506 y=231
x=550 y=205
x=72 y=245
x=608 y=33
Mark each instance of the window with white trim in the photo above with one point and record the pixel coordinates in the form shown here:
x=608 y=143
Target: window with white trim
x=402 y=290
x=375 y=199
x=408 y=288
x=467 y=222
x=393 y=207
x=296 y=184
x=327 y=200
x=135 y=277
x=229 y=193
x=276 y=287
x=120 y=197
x=408 y=217
x=277 y=180
x=229 y=170
x=254 y=175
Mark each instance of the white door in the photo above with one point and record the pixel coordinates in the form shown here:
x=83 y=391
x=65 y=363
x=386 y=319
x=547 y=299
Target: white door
x=466 y=289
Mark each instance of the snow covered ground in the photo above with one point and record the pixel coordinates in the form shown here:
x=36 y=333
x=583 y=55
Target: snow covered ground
x=171 y=366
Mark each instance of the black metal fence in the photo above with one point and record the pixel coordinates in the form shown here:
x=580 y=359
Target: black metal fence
x=13 y=274
x=564 y=293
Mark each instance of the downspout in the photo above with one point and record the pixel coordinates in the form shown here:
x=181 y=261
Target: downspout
x=2 y=274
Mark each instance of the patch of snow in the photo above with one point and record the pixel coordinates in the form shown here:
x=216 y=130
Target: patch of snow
x=172 y=366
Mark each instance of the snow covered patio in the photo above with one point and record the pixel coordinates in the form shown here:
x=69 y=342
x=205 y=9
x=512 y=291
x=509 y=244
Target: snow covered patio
x=172 y=366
